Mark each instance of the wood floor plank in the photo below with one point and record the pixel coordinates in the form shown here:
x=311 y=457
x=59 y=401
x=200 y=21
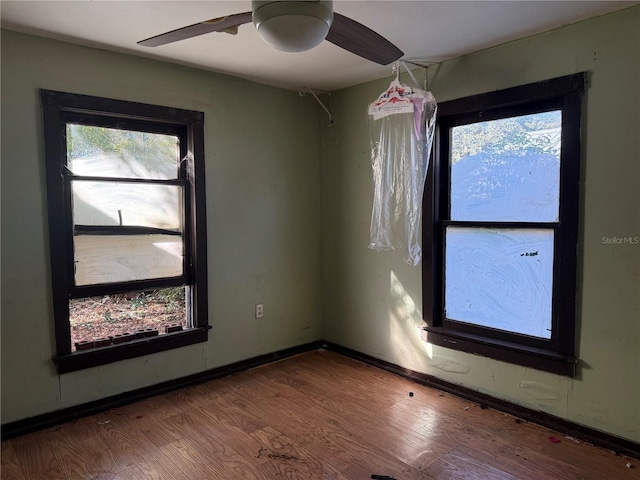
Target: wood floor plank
x=593 y=463
x=220 y=408
x=84 y=456
x=35 y=457
x=515 y=451
x=187 y=461
x=286 y=459
x=357 y=458
x=345 y=415
x=425 y=401
x=455 y=465
x=11 y=468
x=318 y=415
x=212 y=445
x=126 y=442
x=407 y=446
x=358 y=387
x=464 y=420
x=286 y=410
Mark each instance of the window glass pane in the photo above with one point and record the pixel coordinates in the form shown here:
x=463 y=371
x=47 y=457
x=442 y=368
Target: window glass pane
x=507 y=169
x=108 y=152
x=128 y=204
x=123 y=258
x=500 y=278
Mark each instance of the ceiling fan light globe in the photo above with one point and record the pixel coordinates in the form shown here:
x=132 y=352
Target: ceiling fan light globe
x=293 y=26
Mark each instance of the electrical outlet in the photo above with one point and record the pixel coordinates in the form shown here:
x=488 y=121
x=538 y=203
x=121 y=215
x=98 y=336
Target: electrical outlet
x=259 y=310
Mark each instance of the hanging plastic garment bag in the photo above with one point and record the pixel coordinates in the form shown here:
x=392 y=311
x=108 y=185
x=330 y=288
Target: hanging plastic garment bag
x=402 y=125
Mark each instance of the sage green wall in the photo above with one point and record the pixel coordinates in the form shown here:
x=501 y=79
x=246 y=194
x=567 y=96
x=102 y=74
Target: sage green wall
x=266 y=170
x=263 y=200
x=373 y=302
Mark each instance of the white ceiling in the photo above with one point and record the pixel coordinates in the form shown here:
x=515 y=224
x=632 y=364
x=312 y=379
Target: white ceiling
x=427 y=32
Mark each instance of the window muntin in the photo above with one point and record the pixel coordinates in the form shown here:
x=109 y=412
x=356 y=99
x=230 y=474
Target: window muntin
x=491 y=245
x=125 y=185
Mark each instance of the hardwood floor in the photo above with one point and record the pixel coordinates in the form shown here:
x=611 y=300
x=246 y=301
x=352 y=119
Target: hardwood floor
x=318 y=415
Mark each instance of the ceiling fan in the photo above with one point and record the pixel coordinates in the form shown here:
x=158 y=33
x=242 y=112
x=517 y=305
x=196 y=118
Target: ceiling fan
x=294 y=26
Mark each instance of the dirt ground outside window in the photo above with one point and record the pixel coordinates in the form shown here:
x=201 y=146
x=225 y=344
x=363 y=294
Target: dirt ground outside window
x=106 y=316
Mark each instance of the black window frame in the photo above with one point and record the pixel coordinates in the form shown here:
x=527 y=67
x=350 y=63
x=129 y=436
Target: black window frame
x=60 y=109
x=557 y=354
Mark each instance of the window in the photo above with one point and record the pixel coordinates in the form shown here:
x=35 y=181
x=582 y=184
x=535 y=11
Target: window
x=125 y=193
x=501 y=216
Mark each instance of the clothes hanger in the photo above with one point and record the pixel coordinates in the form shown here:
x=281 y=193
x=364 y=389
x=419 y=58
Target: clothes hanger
x=395 y=69
x=396 y=81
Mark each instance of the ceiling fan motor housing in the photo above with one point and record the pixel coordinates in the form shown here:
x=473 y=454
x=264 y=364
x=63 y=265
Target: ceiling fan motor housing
x=293 y=26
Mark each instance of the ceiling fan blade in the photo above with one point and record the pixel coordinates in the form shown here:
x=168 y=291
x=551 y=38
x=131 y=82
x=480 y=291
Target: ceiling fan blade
x=361 y=40
x=219 y=24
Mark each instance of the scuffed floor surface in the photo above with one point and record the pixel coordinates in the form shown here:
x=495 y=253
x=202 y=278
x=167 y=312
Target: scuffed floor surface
x=318 y=415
